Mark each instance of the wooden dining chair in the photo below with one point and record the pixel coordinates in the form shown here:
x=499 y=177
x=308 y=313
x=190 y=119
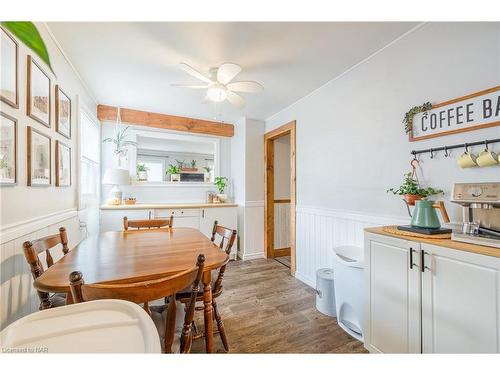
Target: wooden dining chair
x=147 y=224
x=227 y=238
x=31 y=250
x=149 y=290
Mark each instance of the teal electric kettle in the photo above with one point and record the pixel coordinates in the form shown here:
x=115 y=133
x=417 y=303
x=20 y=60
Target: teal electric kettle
x=424 y=215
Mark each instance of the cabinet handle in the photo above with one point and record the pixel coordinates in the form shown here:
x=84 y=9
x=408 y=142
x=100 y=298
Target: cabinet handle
x=411 y=257
x=422 y=261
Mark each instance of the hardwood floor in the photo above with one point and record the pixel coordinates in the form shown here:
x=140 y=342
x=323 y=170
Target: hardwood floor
x=265 y=310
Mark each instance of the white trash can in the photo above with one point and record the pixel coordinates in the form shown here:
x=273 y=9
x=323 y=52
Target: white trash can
x=348 y=267
x=325 y=292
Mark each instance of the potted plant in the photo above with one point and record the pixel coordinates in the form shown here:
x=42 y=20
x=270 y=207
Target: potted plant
x=412 y=191
x=206 y=174
x=121 y=143
x=193 y=164
x=173 y=171
x=221 y=183
x=142 y=172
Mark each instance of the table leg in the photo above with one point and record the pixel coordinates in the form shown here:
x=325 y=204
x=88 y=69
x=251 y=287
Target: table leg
x=207 y=302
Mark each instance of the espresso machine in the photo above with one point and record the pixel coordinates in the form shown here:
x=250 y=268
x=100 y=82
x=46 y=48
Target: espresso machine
x=481 y=213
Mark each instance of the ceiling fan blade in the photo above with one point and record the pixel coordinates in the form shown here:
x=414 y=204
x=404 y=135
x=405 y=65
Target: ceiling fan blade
x=227 y=72
x=189 y=86
x=192 y=71
x=235 y=99
x=245 y=86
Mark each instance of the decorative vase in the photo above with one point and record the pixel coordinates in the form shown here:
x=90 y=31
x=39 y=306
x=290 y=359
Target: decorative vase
x=222 y=197
x=142 y=175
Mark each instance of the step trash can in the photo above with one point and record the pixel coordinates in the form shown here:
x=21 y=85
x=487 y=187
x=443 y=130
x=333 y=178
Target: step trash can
x=349 y=297
x=325 y=292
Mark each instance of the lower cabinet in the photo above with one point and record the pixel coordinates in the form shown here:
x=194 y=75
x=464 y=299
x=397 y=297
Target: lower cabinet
x=199 y=218
x=430 y=299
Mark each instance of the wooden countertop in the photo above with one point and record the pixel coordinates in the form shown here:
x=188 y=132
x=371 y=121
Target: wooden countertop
x=456 y=245
x=144 y=206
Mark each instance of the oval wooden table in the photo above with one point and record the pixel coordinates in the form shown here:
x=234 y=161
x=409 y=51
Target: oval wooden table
x=138 y=255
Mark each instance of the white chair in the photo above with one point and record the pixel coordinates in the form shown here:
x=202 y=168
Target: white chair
x=103 y=326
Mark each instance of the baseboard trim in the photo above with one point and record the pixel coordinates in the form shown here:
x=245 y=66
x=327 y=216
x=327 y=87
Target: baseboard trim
x=305 y=279
x=22 y=228
x=253 y=256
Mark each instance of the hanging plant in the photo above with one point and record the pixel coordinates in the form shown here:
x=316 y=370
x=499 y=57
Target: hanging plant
x=408 y=119
x=121 y=143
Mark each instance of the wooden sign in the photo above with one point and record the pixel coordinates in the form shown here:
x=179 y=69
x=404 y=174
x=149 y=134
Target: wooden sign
x=475 y=111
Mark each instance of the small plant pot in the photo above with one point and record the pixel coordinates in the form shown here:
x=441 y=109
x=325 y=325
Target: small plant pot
x=222 y=197
x=142 y=176
x=411 y=198
x=175 y=177
x=207 y=177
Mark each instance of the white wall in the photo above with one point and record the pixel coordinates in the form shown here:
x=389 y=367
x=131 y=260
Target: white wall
x=247 y=166
x=282 y=167
x=27 y=212
x=351 y=145
x=21 y=202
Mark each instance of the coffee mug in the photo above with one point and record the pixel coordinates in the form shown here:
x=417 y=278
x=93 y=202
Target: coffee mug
x=467 y=160
x=487 y=158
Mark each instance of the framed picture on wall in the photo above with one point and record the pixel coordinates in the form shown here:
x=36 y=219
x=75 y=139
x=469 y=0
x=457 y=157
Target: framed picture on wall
x=8 y=150
x=9 y=51
x=38 y=93
x=63 y=112
x=63 y=164
x=39 y=166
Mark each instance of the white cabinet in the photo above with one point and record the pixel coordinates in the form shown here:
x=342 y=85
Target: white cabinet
x=460 y=302
x=393 y=302
x=225 y=216
x=112 y=220
x=199 y=218
x=450 y=305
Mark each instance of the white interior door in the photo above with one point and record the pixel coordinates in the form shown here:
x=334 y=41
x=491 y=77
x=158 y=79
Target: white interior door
x=393 y=310
x=460 y=302
x=90 y=171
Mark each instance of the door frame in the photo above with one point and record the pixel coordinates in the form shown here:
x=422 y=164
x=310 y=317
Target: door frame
x=287 y=129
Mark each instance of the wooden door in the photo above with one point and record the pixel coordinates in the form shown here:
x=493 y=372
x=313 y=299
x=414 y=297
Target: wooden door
x=392 y=312
x=460 y=302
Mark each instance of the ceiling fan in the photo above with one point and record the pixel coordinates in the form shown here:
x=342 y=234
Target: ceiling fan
x=219 y=86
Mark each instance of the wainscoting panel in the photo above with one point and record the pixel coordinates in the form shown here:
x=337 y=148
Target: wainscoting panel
x=17 y=295
x=281 y=225
x=254 y=230
x=319 y=231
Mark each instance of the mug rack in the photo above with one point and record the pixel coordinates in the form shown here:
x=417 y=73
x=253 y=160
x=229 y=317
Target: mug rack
x=460 y=145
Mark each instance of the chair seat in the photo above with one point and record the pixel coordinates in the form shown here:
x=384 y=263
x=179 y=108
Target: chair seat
x=159 y=317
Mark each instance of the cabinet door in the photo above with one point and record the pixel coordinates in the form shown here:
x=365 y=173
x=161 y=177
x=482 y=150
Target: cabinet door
x=225 y=216
x=460 y=302
x=112 y=220
x=392 y=312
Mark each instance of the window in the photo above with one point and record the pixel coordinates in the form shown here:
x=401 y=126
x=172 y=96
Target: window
x=154 y=166
x=89 y=161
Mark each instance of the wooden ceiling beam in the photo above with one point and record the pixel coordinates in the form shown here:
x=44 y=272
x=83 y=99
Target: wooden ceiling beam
x=162 y=121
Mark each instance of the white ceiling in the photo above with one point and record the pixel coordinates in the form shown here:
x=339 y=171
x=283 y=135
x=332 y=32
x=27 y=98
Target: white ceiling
x=132 y=64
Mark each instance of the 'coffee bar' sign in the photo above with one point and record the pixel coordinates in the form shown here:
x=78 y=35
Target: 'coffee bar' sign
x=474 y=111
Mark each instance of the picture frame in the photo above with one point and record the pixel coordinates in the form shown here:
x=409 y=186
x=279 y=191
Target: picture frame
x=38 y=158
x=8 y=149
x=9 y=70
x=62 y=112
x=63 y=164
x=38 y=93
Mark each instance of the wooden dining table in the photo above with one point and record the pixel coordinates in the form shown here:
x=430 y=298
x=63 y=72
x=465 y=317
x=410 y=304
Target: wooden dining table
x=136 y=255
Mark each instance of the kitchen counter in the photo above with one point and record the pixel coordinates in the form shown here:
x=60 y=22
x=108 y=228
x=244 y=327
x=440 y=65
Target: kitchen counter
x=142 y=206
x=462 y=246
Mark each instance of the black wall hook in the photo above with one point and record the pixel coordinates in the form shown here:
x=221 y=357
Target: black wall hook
x=433 y=150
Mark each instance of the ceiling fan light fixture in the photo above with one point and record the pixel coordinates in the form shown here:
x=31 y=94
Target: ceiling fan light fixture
x=217 y=93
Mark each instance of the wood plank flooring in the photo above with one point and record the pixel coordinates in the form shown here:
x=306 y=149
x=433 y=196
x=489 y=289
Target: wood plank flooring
x=265 y=310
